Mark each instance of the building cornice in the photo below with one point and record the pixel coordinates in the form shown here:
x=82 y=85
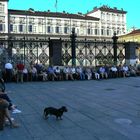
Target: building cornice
x=51 y=14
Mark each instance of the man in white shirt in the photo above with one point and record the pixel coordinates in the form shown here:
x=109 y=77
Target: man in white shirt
x=67 y=73
x=8 y=74
x=126 y=71
x=114 y=71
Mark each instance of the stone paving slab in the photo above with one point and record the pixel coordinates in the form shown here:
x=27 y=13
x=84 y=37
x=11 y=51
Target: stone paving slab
x=97 y=110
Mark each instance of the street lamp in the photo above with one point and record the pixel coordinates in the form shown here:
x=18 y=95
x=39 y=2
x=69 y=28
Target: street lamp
x=115 y=38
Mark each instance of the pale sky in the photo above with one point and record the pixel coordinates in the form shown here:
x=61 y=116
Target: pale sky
x=75 y=6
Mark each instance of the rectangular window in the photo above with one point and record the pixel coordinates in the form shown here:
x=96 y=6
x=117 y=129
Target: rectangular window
x=1 y=27
x=108 y=33
x=102 y=31
x=49 y=29
x=30 y=28
x=57 y=29
x=96 y=31
x=89 y=31
x=11 y=27
x=65 y=30
x=20 y=28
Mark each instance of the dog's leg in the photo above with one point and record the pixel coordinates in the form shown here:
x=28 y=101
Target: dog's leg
x=45 y=115
x=60 y=118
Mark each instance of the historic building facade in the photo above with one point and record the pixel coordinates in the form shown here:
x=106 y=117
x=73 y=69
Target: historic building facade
x=99 y=23
x=45 y=36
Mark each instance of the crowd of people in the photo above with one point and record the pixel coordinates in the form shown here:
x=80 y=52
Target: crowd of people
x=39 y=72
x=35 y=72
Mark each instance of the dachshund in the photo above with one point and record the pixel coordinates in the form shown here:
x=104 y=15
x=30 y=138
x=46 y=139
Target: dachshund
x=54 y=111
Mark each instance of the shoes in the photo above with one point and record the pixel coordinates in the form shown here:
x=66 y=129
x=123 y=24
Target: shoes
x=12 y=119
x=16 y=111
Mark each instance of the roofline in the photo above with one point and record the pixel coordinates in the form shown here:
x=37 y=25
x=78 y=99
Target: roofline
x=51 y=14
x=135 y=32
x=108 y=9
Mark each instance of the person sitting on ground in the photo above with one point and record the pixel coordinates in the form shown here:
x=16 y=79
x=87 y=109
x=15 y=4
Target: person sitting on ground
x=102 y=72
x=126 y=72
x=58 y=73
x=95 y=73
x=33 y=72
x=73 y=72
x=5 y=114
x=80 y=72
x=51 y=73
x=3 y=95
x=88 y=73
x=68 y=75
x=114 y=71
x=120 y=70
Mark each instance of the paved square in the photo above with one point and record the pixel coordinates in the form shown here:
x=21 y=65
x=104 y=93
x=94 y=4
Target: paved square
x=97 y=110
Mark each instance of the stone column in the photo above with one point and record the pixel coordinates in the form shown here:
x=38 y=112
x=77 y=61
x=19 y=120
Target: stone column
x=130 y=52
x=55 y=52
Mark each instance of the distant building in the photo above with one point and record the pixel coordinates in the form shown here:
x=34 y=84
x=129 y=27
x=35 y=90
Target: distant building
x=100 y=23
x=111 y=20
x=133 y=36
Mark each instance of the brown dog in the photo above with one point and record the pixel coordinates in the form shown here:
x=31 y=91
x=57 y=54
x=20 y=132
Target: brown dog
x=54 y=111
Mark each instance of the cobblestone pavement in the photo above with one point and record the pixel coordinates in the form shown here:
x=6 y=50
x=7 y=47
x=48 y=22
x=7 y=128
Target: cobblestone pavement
x=97 y=110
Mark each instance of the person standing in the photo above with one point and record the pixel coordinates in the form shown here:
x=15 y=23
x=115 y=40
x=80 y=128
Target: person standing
x=8 y=72
x=20 y=68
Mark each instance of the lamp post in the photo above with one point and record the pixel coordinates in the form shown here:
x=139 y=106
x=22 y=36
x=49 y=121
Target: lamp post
x=24 y=46
x=115 y=38
x=73 y=47
x=10 y=46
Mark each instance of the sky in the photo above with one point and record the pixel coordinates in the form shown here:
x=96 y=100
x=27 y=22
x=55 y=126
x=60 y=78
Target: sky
x=74 y=6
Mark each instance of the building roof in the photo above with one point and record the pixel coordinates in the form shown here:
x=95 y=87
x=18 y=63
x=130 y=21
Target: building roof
x=108 y=9
x=3 y=0
x=134 y=32
x=31 y=12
